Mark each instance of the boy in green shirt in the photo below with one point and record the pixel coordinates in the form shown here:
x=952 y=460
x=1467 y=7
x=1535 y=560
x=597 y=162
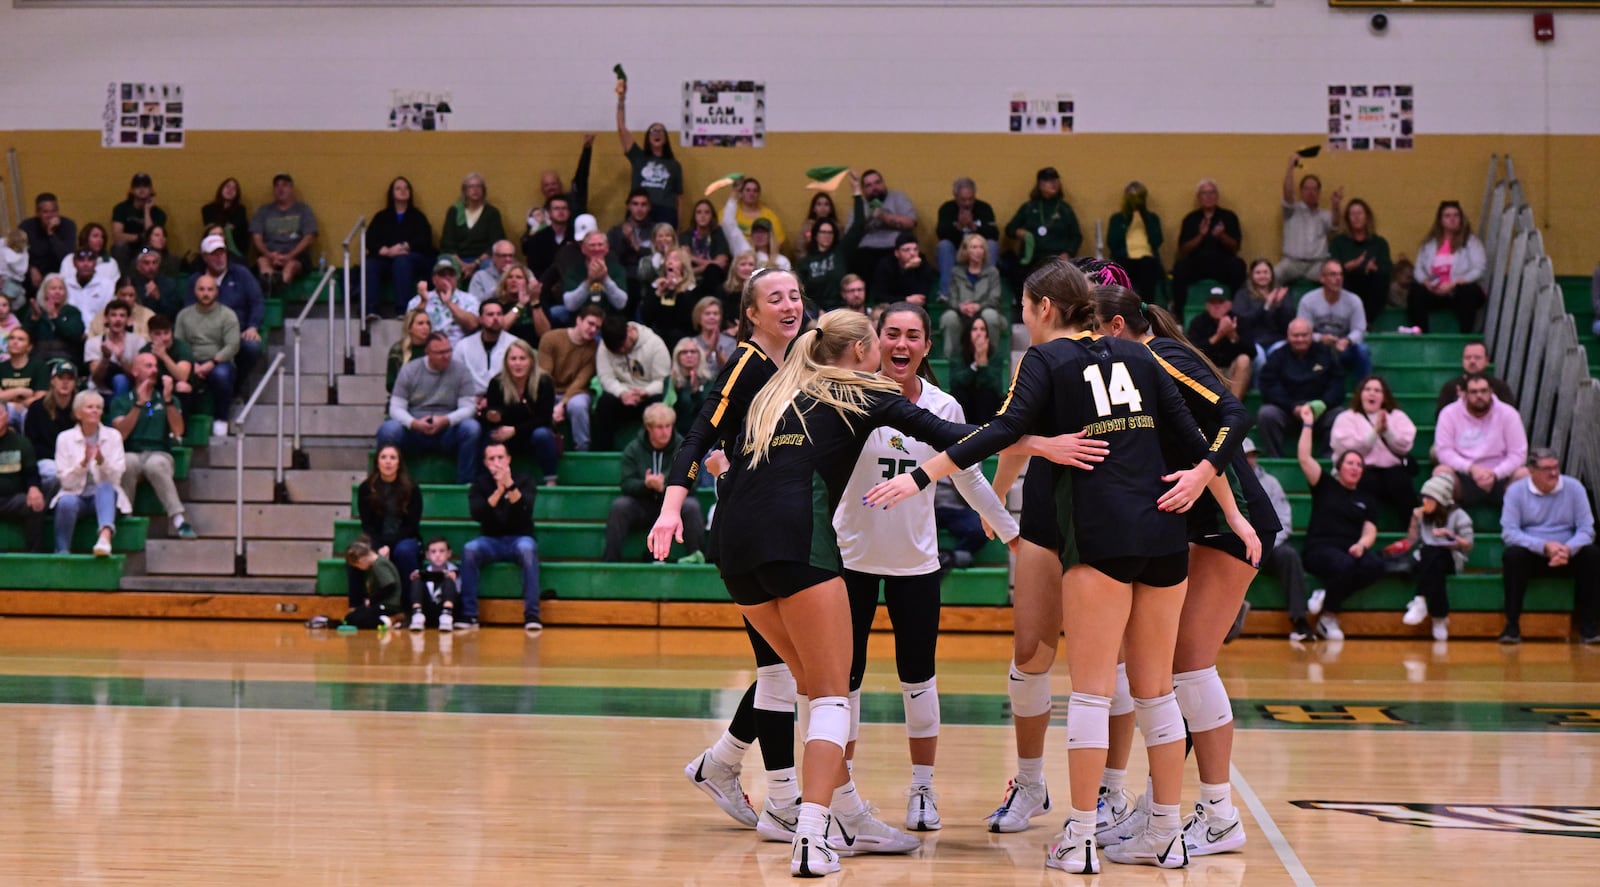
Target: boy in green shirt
x=383 y=595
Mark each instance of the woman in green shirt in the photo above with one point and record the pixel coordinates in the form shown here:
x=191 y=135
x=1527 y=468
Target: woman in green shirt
x=978 y=379
x=1047 y=222
x=1365 y=257
x=471 y=226
x=827 y=257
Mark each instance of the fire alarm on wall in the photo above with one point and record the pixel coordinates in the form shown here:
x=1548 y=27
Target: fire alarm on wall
x=1544 y=27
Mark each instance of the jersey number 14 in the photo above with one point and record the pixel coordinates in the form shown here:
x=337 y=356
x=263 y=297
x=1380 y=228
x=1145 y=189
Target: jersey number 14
x=1121 y=391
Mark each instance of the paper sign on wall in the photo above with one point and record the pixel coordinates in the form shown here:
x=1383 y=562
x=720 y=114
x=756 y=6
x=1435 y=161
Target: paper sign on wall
x=143 y=115
x=724 y=113
x=1040 y=113
x=1370 y=117
x=413 y=110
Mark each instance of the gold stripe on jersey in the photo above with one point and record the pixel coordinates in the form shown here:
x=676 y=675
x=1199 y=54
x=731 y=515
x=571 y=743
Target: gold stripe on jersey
x=1084 y=334
x=733 y=377
x=1181 y=376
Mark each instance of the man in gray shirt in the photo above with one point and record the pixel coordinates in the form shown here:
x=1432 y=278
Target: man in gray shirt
x=283 y=232
x=1338 y=321
x=890 y=212
x=431 y=409
x=1306 y=226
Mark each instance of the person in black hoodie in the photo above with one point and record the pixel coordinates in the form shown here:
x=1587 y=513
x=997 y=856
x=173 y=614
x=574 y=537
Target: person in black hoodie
x=502 y=504
x=389 y=505
x=399 y=249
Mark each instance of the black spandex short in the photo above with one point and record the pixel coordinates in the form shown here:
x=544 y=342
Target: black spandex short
x=1229 y=544
x=1038 y=524
x=771 y=581
x=1161 y=571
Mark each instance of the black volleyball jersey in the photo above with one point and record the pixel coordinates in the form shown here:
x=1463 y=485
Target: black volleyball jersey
x=782 y=509
x=722 y=416
x=1223 y=419
x=1116 y=391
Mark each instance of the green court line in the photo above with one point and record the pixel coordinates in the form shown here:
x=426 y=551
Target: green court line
x=642 y=702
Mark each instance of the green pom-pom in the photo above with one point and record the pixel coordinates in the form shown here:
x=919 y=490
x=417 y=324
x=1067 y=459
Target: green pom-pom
x=824 y=173
x=621 y=74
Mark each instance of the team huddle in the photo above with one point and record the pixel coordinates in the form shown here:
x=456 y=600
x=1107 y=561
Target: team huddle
x=1140 y=531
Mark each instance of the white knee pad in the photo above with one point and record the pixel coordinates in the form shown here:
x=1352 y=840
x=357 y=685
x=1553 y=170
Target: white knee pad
x=1088 y=721
x=922 y=708
x=830 y=720
x=1203 y=699
x=855 y=714
x=1160 y=720
x=1030 y=693
x=1122 y=697
x=775 y=688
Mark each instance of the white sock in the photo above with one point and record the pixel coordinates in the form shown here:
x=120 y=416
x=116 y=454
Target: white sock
x=1164 y=818
x=922 y=774
x=728 y=751
x=1081 y=821
x=177 y=521
x=813 y=820
x=1030 y=770
x=1219 y=798
x=846 y=802
x=1112 y=780
x=782 y=787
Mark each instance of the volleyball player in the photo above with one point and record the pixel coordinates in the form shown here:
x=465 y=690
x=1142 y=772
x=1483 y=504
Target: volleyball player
x=1124 y=546
x=1220 y=570
x=770 y=316
x=898 y=552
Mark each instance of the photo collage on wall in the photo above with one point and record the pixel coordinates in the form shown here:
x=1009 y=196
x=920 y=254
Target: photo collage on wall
x=725 y=114
x=412 y=110
x=1371 y=117
x=143 y=115
x=1040 y=113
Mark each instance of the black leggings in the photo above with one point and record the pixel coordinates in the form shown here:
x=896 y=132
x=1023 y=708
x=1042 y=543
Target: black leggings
x=913 y=603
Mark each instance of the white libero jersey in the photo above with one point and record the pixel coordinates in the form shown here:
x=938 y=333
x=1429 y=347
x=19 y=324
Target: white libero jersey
x=903 y=541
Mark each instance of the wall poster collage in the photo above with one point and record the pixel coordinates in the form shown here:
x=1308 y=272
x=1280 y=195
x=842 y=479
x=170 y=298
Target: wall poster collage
x=1370 y=117
x=143 y=115
x=1040 y=113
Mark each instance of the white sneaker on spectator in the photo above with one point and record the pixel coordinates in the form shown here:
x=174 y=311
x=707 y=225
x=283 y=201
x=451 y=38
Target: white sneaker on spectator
x=418 y=621
x=1416 y=611
x=102 y=546
x=1328 y=625
x=533 y=626
x=1441 y=628
x=219 y=428
x=721 y=783
x=1314 y=602
x=447 y=622
x=1023 y=801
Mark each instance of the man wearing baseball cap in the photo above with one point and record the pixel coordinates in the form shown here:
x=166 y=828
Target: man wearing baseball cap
x=283 y=232
x=131 y=218
x=451 y=311
x=238 y=289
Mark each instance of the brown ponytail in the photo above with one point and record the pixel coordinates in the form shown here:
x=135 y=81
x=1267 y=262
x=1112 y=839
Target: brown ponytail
x=1144 y=319
x=1063 y=284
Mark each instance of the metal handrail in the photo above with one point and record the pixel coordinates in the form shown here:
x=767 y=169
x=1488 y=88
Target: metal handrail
x=359 y=228
x=278 y=485
x=295 y=329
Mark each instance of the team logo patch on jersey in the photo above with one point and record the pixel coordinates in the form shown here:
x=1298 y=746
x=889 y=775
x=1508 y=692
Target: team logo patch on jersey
x=899 y=443
x=1572 y=822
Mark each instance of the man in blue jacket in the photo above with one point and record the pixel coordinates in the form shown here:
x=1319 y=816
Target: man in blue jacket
x=237 y=288
x=1306 y=371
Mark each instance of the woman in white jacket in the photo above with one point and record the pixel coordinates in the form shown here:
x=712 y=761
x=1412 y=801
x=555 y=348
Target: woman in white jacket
x=1448 y=271
x=89 y=462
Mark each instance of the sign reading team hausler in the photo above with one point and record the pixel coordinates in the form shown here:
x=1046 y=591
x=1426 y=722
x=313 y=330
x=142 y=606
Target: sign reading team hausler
x=724 y=114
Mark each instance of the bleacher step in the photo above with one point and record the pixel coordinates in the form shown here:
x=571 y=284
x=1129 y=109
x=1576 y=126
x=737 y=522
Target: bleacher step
x=362 y=390
x=214 y=520
x=217 y=585
x=221 y=485
x=321 y=419
x=277 y=557
x=328 y=486
x=189 y=557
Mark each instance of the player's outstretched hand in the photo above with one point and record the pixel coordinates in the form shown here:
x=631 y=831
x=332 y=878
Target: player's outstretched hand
x=668 y=527
x=887 y=493
x=1073 y=450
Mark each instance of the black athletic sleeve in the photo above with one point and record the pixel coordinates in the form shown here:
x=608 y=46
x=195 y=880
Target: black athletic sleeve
x=722 y=414
x=1224 y=409
x=1030 y=394
x=895 y=411
x=1177 y=425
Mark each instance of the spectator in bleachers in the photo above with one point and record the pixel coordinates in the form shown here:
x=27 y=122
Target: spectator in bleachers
x=715 y=346
x=23 y=493
x=1548 y=527
x=154 y=290
x=1220 y=336
x=890 y=215
x=138 y=315
x=131 y=218
x=211 y=331
x=744 y=206
x=51 y=414
x=471 y=226
x=1594 y=297
x=689 y=384
x=1303 y=372
x=519 y=407
x=663 y=242
x=8 y=317
x=23 y=377
x=903 y=275
x=399 y=249
x=822 y=268
x=1264 y=308
x=1450 y=263
x=1341 y=532
x=389 y=506
x=1480 y=444
x=174 y=360
x=227 y=210
x=1306 y=226
x=282 y=232
x=414 y=332
x=633 y=365
x=1281 y=558
x=853 y=294
x=1442 y=536
x=959 y=218
x=630 y=239
x=92 y=238
x=1364 y=256
x=87 y=290
x=523 y=297
x=484 y=352
x=56 y=326
x=149 y=419
x=1338 y=319
x=599 y=280
x=744 y=265
x=655 y=170
x=568 y=357
x=432 y=592
x=1208 y=247
x=52 y=237
x=502 y=504
x=110 y=355
x=540 y=245
x=577 y=196
x=1045 y=226
x=667 y=303
x=1474 y=361
x=89 y=461
x=709 y=255
x=14 y=280
x=431 y=408
x=768 y=254
x=821 y=208
x=502 y=255
x=1383 y=434
x=450 y=309
x=1133 y=236
x=974 y=289
x=978 y=379
x=644 y=466
x=156 y=239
